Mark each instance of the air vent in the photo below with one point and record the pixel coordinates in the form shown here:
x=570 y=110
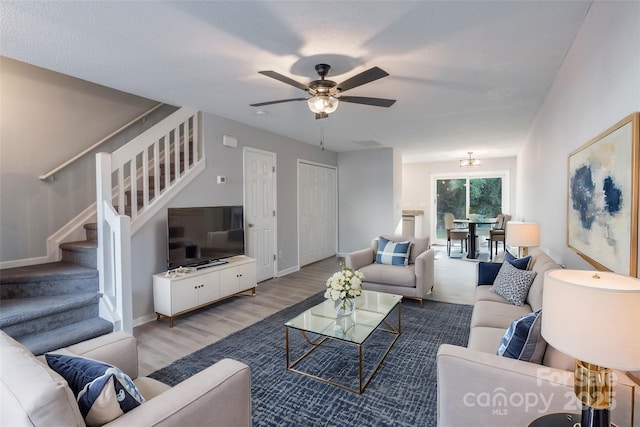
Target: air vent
x=368 y=144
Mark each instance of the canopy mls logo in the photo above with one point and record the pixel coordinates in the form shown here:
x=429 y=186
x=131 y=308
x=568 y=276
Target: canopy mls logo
x=500 y=400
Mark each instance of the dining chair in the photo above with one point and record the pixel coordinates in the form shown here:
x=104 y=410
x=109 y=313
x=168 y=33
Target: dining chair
x=497 y=233
x=454 y=233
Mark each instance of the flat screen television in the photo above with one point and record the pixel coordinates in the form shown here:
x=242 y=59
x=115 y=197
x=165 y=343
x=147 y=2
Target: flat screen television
x=201 y=235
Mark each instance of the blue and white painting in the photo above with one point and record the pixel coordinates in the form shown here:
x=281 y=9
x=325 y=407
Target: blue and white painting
x=600 y=200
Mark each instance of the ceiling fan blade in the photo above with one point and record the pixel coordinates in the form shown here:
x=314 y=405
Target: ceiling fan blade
x=284 y=79
x=364 y=77
x=260 y=104
x=376 y=102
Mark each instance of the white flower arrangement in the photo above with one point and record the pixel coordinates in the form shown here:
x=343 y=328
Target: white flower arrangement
x=344 y=284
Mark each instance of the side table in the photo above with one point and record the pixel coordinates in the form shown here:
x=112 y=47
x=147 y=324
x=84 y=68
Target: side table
x=561 y=419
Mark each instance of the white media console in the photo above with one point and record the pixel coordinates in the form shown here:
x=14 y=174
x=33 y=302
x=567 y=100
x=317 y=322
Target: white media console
x=178 y=293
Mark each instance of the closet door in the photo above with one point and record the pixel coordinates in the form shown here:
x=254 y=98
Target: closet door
x=317 y=211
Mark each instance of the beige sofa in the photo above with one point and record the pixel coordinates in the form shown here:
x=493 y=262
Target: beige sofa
x=413 y=281
x=478 y=387
x=32 y=394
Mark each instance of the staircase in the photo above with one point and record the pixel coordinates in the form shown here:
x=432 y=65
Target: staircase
x=53 y=305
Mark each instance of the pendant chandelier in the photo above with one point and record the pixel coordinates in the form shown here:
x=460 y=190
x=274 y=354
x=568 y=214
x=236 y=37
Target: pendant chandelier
x=470 y=161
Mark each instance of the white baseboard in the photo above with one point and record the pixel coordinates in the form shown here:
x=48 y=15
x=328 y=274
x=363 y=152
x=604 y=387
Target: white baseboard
x=281 y=273
x=144 y=319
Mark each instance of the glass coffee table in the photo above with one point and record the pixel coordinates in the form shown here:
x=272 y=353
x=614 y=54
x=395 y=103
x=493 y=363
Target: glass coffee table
x=321 y=323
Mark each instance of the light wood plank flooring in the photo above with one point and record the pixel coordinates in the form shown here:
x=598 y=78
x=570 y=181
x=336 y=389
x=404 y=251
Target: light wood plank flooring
x=159 y=345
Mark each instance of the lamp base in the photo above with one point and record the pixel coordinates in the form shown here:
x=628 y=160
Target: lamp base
x=592 y=417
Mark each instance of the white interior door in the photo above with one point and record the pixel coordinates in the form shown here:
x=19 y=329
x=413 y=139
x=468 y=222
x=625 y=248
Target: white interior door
x=317 y=211
x=260 y=210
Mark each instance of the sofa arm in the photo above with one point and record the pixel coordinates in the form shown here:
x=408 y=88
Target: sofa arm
x=425 y=274
x=217 y=396
x=359 y=259
x=118 y=349
x=476 y=388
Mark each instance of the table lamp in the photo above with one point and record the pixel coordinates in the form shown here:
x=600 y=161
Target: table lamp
x=595 y=318
x=523 y=235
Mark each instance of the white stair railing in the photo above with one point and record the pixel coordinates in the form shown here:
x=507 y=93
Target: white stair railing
x=133 y=183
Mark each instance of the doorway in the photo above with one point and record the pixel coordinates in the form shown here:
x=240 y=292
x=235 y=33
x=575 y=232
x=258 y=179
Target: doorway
x=485 y=195
x=260 y=210
x=317 y=211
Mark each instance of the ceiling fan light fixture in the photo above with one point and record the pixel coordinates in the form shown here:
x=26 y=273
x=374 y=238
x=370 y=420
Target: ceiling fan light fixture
x=323 y=104
x=470 y=161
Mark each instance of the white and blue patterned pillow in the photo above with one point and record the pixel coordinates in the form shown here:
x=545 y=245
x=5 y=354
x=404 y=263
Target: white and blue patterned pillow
x=392 y=253
x=103 y=391
x=513 y=284
x=523 y=340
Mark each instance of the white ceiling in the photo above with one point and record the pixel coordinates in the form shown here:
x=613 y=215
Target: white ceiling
x=467 y=75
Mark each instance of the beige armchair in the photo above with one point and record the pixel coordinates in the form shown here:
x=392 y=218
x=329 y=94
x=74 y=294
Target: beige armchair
x=413 y=281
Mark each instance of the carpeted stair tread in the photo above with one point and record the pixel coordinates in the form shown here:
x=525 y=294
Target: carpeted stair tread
x=17 y=310
x=80 y=245
x=46 y=272
x=66 y=336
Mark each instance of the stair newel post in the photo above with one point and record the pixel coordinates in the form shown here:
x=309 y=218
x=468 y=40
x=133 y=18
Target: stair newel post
x=103 y=193
x=122 y=267
x=114 y=252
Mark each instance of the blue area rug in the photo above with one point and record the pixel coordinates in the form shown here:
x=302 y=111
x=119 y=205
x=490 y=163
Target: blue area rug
x=401 y=393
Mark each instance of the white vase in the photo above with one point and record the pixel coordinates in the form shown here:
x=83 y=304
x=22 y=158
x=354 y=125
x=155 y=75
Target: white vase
x=344 y=307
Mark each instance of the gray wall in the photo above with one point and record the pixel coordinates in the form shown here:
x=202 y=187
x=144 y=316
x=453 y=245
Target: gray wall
x=45 y=119
x=597 y=85
x=149 y=244
x=369 y=196
x=48 y=117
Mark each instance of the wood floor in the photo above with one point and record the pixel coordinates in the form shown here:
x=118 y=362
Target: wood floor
x=159 y=345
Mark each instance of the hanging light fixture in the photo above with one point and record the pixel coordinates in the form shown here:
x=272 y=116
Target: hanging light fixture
x=323 y=104
x=469 y=162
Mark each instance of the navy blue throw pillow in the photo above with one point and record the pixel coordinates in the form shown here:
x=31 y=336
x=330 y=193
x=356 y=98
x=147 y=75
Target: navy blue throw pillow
x=487 y=272
x=519 y=263
x=392 y=253
x=103 y=391
x=523 y=340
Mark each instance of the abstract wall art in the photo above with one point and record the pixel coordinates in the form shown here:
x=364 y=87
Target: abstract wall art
x=602 y=211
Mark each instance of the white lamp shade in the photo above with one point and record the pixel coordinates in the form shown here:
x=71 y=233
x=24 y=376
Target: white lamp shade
x=523 y=234
x=596 y=320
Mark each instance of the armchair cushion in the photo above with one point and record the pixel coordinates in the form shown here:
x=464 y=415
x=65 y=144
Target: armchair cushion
x=392 y=253
x=103 y=391
x=394 y=276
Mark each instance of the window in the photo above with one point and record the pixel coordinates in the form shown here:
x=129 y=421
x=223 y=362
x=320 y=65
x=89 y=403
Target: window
x=464 y=195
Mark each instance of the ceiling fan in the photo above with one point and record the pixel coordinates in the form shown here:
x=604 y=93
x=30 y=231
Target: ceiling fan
x=326 y=93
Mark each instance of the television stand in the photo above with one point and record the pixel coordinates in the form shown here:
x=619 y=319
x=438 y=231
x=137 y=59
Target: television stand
x=211 y=263
x=208 y=284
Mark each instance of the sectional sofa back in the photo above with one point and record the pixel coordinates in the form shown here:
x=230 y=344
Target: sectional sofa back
x=540 y=263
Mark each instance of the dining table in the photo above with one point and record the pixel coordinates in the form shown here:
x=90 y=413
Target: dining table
x=473 y=249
